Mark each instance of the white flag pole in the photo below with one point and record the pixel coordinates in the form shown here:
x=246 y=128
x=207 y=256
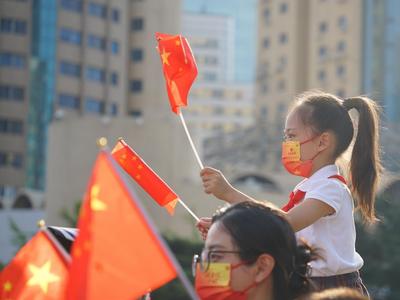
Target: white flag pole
x=190 y=140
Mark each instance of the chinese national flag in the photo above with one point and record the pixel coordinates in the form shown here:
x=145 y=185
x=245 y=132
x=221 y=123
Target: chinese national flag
x=116 y=254
x=179 y=67
x=38 y=271
x=144 y=176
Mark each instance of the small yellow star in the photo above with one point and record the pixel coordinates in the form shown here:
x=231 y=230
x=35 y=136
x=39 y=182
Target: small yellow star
x=134 y=158
x=95 y=203
x=42 y=276
x=137 y=177
x=164 y=57
x=140 y=167
x=7 y=286
x=178 y=43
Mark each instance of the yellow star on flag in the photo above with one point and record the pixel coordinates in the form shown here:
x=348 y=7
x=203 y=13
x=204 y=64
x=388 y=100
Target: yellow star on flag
x=164 y=56
x=42 y=276
x=7 y=286
x=95 y=203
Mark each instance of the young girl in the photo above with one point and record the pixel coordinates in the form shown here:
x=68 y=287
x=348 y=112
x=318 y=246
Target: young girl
x=318 y=131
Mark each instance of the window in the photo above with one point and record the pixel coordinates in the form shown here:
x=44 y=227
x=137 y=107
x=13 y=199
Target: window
x=281 y=85
x=97 y=42
x=114 y=78
x=135 y=113
x=321 y=75
x=94 y=105
x=13 y=159
x=341 y=47
x=72 y=5
x=68 y=101
x=209 y=76
x=283 y=8
x=137 y=54
x=95 y=74
x=12 y=60
x=8 y=25
x=137 y=24
x=266 y=43
x=283 y=38
x=115 y=15
x=11 y=93
x=342 y=23
x=3 y=158
x=136 y=86
x=70 y=69
x=114 y=47
x=114 y=109
x=70 y=36
x=341 y=71
x=11 y=126
x=322 y=52
x=16 y=160
x=267 y=15
x=97 y=10
x=323 y=27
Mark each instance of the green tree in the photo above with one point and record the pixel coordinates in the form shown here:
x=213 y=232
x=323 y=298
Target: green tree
x=380 y=247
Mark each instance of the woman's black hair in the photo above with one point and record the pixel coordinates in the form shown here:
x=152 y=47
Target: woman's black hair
x=257 y=228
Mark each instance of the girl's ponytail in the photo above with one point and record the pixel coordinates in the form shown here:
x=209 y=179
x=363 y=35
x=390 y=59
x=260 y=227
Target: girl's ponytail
x=365 y=164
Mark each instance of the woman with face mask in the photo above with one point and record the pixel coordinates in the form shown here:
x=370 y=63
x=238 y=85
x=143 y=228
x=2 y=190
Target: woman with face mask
x=251 y=253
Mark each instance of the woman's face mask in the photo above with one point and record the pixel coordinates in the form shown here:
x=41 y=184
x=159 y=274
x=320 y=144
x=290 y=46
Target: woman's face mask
x=214 y=283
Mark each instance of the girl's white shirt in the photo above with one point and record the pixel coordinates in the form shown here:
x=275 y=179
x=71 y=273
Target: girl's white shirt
x=334 y=235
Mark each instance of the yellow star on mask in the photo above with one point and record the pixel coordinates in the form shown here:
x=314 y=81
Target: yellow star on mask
x=7 y=286
x=164 y=57
x=42 y=276
x=95 y=203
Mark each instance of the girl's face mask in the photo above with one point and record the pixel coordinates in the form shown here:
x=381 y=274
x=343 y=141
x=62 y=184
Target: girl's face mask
x=214 y=283
x=291 y=158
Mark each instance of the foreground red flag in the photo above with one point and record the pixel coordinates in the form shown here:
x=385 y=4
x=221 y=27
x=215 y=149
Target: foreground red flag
x=38 y=271
x=179 y=67
x=116 y=254
x=144 y=176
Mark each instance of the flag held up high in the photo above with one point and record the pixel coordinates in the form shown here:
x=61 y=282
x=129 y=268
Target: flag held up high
x=179 y=68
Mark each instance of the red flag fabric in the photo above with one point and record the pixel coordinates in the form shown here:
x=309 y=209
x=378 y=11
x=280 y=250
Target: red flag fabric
x=116 y=254
x=179 y=67
x=139 y=171
x=38 y=271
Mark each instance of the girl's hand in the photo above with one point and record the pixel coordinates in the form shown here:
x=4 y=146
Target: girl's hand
x=214 y=182
x=203 y=226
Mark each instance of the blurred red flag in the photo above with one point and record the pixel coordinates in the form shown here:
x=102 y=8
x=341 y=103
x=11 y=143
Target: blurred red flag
x=144 y=176
x=116 y=254
x=179 y=67
x=38 y=271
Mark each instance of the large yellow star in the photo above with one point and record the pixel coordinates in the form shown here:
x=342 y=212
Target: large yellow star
x=95 y=203
x=42 y=276
x=7 y=286
x=164 y=57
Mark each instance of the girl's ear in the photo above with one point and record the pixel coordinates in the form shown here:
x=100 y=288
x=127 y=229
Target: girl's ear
x=325 y=140
x=264 y=266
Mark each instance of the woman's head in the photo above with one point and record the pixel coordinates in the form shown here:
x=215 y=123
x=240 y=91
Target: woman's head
x=259 y=240
x=325 y=118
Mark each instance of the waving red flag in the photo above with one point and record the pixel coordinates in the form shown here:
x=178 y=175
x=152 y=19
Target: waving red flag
x=117 y=254
x=38 y=271
x=179 y=67
x=139 y=171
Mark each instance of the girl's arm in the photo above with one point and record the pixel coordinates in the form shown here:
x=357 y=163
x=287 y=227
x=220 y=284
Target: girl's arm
x=299 y=217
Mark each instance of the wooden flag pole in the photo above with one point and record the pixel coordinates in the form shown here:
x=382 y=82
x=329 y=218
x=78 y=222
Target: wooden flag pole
x=190 y=140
